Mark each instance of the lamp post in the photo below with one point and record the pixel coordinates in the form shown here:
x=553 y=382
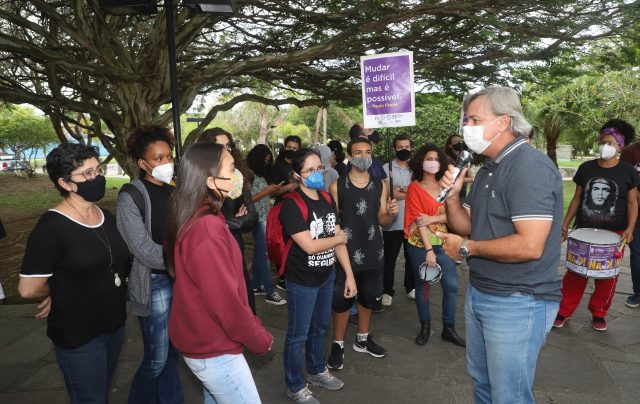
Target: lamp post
x=128 y=7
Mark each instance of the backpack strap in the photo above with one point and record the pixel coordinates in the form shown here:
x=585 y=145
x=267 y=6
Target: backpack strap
x=136 y=195
x=305 y=215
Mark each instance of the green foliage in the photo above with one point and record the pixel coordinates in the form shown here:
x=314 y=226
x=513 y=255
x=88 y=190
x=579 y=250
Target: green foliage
x=21 y=129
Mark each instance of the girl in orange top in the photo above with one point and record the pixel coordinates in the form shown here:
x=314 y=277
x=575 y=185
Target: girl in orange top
x=424 y=215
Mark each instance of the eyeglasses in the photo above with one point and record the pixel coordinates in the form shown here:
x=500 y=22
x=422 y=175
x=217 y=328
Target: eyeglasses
x=230 y=146
x=320 y=169
x=91 y=173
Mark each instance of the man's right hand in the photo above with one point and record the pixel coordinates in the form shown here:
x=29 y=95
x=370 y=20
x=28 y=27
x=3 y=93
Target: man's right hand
x=447 y=181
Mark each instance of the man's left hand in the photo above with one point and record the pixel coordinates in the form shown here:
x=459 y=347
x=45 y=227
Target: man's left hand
x=628 y=235
x=451 y=244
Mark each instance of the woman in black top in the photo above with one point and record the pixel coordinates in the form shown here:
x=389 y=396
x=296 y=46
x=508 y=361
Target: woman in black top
x=240 y=213
x=309 y=270
x=76 y=256
x=141 y=214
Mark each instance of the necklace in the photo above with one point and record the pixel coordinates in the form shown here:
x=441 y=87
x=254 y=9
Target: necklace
x=107 y=245
x=358 y=181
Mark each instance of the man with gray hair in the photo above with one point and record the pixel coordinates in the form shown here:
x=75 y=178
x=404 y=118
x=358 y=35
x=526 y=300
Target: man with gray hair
x=509 y=231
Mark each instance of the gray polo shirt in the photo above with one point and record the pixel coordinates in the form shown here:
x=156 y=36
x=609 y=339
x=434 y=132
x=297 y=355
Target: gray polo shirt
x=401 y=178
x=521 y=183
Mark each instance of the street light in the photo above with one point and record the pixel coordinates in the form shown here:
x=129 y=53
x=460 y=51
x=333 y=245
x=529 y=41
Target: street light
x=211 y=6
x=126 y=7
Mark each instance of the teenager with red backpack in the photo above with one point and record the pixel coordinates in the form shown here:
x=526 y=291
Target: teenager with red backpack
x=309 y=262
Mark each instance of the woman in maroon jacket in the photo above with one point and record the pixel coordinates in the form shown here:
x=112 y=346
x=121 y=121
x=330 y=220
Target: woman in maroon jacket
x=210 y=321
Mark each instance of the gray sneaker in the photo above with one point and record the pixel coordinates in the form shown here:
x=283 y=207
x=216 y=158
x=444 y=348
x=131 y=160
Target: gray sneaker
x=325 y=380
x=302 y=396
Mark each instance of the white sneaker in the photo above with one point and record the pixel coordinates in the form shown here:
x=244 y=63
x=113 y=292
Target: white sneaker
x=386 y=300
x=412 y=295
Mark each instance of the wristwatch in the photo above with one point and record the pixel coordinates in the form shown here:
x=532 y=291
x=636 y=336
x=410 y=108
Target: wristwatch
x=464 y=251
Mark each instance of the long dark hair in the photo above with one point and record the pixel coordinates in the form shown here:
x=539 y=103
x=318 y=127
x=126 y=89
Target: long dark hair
x=255 y=161
x=210 y=135
x=416 y=161
x=447 y=147
x=199 y=162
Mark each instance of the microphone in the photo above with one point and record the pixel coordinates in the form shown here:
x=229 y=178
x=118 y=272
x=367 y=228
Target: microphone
x=464 y=158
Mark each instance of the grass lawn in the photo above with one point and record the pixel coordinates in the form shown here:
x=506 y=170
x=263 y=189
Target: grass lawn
x=569 y=188
x=37 y=193
x=570 y=163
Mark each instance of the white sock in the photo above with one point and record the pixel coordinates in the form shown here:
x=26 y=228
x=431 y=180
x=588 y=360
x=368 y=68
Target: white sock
x=341 y=343
x=362 y=337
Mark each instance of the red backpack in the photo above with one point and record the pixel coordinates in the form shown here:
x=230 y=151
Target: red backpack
x=277 y=249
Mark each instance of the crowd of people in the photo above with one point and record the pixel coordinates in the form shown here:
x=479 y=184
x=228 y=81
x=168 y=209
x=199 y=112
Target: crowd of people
x=175 y=248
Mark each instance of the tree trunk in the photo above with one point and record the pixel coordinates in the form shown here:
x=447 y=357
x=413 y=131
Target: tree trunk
x=316 y=130
x=551 y=130
x=324 y=125
x=262 y=134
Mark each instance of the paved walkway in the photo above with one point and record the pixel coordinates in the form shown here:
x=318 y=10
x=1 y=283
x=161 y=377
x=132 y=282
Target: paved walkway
x=577 y=365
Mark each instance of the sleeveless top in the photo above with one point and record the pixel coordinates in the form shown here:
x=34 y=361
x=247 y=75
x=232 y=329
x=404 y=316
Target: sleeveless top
x=359 y=209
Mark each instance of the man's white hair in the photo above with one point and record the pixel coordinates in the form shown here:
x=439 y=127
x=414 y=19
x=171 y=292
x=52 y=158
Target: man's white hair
x=503 y=101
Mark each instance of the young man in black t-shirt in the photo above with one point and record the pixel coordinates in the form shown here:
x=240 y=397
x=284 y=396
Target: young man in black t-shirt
x=363 y=207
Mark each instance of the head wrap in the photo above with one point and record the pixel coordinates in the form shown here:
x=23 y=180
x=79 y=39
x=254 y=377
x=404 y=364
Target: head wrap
x=613 y=132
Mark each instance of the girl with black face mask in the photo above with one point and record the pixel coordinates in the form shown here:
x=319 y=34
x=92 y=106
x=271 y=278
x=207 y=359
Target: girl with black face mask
x=76 y=260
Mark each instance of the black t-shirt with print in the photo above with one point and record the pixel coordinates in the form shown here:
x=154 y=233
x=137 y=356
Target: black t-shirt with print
x=85 y=302
x=301 y=268
x=359 y=219
x=603 y=203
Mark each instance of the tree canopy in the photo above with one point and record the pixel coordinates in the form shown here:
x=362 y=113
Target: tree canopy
x=84 y=68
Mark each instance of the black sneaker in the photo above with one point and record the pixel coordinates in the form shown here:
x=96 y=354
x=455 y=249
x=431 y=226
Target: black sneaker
x=370 y=347
x=260 y=291
x=281 y=285
x=336 y=357
x=275 y=299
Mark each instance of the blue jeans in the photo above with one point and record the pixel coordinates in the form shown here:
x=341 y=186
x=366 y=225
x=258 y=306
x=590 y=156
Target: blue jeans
x=634 y=246
x=260 y=261
x=309 y=315
x=88 y=369
x=504 y=337
x=225 y=379
x=449 y=283
x=157 y=380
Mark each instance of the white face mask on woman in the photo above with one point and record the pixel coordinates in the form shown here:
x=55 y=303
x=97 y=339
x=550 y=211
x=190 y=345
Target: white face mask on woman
x=607 y=152
x=163 y=172
x=432 y=167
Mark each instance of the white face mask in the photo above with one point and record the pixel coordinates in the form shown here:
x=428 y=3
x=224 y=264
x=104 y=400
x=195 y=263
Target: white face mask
x=606 y=151
x=432 y=167
x=474 y=137
x=163 y=172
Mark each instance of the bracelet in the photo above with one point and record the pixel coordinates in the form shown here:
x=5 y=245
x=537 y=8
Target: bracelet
x=429 y=249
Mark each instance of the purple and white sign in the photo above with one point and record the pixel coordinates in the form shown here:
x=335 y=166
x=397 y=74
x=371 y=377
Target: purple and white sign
x=388 y=96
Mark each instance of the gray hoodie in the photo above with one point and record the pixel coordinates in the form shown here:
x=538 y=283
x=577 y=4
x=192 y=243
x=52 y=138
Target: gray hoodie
x=330 y=174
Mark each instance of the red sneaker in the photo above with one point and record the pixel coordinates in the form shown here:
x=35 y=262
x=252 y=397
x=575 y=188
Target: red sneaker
x=560 y=320
x=599 y=324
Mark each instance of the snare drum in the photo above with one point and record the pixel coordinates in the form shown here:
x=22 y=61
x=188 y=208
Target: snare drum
x=591 y=253
x=429 y=275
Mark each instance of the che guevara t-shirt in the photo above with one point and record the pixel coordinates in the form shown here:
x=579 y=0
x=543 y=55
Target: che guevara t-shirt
x=301 y=268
